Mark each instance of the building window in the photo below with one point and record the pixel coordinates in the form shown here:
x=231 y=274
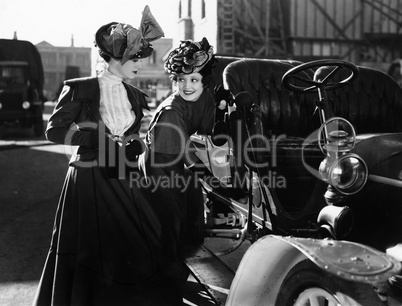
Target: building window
x=62 y=60
x=180 y=9
x=203 y=9
x=321 y=49
x=80 y=60
x=48 y=59
x=69 y=59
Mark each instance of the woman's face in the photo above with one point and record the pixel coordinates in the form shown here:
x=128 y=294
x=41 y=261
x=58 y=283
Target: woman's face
x=126 y=71
x=190 y=86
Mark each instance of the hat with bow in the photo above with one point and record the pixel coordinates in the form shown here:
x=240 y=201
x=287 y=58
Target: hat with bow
x=123 y=42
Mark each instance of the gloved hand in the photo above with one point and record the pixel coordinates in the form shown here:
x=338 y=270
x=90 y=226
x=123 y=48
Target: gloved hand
x=223 y=97
x=117 y=154
x=133 y=149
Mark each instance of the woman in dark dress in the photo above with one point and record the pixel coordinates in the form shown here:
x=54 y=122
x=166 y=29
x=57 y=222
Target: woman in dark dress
x=190 y=109
x=106 y=245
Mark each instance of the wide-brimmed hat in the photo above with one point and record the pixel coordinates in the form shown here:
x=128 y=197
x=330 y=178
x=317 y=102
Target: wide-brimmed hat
x=189 y=57
x=123 y=41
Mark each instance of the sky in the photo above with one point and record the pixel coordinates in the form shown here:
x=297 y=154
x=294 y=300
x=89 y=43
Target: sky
x=55 y=21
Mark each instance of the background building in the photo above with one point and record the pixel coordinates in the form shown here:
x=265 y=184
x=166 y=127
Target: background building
x=61 y=63
x=366 y=32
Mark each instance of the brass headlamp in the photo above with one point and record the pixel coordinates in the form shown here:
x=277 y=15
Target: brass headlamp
x=344 y=171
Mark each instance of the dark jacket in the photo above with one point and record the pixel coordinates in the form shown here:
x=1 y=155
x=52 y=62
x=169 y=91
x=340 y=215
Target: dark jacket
x=187 y=118
x=76 y=119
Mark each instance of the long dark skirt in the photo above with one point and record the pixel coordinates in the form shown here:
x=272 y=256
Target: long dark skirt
x=106 y=246
x=178 y=202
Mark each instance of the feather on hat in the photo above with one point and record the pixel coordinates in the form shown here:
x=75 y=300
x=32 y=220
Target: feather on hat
x=189 y=57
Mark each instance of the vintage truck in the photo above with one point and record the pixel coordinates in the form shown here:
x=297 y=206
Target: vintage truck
x=21 y=85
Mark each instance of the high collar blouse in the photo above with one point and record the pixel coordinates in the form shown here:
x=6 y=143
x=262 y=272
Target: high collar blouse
x=115 y=108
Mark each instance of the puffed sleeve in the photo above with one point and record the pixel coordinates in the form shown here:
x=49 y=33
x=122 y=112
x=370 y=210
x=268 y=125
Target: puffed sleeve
x=171 y=138
x=170 y=133
x=61 y=128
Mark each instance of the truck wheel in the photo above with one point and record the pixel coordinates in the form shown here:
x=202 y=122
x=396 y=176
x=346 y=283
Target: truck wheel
x=306 y=284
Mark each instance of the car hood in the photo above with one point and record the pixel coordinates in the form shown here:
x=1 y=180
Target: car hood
x=382 y=153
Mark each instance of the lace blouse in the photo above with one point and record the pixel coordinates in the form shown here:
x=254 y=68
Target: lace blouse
x=115 y=108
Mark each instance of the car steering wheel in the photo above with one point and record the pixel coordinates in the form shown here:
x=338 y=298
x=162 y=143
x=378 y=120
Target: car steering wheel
x=300 y=73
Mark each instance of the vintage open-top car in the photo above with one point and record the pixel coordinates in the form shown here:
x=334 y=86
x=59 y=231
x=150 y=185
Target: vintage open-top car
x=307 y=166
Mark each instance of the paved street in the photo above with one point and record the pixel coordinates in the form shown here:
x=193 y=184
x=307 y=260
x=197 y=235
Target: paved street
x=32 y=173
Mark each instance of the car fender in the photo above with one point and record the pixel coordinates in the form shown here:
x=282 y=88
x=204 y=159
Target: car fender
x=265 y=265
x=262 y=271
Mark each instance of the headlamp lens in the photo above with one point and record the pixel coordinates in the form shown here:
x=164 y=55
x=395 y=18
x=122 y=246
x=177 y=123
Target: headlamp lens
x=348 y=174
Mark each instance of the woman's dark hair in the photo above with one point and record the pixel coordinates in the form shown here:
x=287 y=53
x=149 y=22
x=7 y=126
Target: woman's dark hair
x=105 y=56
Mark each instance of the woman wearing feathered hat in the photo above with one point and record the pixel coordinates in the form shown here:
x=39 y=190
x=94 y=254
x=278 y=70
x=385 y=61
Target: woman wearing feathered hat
x=105 y=247
x=190 y=109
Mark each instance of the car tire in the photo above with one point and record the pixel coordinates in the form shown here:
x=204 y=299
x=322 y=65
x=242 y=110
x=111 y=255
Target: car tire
x=306 y=283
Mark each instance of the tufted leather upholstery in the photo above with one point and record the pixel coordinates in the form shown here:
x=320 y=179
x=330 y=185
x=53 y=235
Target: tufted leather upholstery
x=373 y=103
x=221 y=63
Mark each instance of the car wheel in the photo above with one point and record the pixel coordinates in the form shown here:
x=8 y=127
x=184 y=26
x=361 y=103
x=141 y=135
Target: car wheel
x=306 y=284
